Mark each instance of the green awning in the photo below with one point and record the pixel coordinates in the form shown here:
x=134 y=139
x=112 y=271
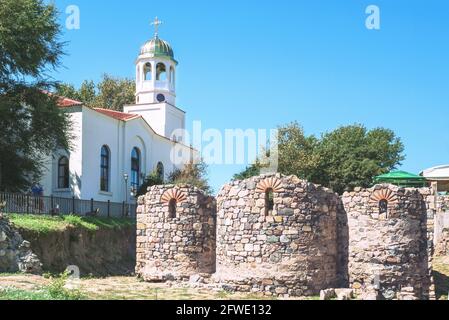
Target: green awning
x=402 y=178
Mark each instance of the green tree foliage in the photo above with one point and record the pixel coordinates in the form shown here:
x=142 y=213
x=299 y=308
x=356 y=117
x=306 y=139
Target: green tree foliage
x=110 y=93
x=352 y=156
x=250 y=171
x=31 y=123
x=347 y=157
x=153 y=179
x=194 y=174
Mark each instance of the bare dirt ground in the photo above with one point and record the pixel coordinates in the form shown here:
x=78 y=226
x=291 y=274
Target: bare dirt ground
x=131 y=288
x=124 y=288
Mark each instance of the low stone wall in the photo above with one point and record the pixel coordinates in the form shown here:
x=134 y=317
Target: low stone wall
x=288 y=247
x=175 y=233
x=15 y=253
x=390 y=241
x=442 y=226
x=102 y=252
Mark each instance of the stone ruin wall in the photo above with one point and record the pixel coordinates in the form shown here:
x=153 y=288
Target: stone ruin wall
x=175 y=245
x=442 y=226
x=291 y=250
x=312 y=239
x=390 y=251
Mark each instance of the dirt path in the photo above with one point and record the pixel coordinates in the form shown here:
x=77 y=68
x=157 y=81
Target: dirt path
x=123 y=288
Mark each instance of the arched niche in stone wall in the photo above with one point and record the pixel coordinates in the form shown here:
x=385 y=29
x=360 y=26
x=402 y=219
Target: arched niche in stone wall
x=383 y=202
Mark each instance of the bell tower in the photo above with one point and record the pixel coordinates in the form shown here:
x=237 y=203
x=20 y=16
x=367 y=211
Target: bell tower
x=155 y=88
x=156 y=71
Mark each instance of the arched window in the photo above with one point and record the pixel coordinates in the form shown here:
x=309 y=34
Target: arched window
x=383 y=206
x=172 y=75
x=269 y=201
x=63 y=173
x=161 y=72
x=160 y=170
x=135 y=168
x=147 y=71
x=105 y=167
x=172 y=208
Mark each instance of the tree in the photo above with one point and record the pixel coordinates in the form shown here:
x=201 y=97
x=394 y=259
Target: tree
x=296 y=151
x=110 y=93
x=347 y=157
x=250 y=171
x=31 y=123
x=153 y=179
x=296 y=154
x=352 y=156
x=114 y=93
x=194 y=174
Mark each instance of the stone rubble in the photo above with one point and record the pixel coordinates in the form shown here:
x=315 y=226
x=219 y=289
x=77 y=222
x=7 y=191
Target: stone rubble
x=15 y=253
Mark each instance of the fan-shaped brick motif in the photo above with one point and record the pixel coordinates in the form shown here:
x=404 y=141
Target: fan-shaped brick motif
x=384 y=194
x=175 y=194
x=270 y=183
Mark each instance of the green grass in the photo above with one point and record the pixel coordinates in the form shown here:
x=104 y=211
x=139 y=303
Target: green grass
x=45 y=224
x=17 y=294
x=54 y=291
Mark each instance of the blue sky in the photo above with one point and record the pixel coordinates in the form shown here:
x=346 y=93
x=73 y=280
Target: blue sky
x=259 y=64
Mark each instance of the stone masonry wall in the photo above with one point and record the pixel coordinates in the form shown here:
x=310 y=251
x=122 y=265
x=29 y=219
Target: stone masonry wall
x=15 y=253
x=390 y=241
x=442 y=226
x=291 y=250
x=175 y=247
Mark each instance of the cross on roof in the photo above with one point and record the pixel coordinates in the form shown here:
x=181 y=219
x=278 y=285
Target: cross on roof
x=156 y=23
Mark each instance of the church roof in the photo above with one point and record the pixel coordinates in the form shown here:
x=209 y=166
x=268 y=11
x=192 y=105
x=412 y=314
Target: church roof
x=117 y=114
x=157 y=47
x=64 y=102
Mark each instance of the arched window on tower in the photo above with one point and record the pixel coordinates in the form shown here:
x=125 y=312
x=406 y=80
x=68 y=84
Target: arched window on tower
x=63 y=173
x=172 y=75
x=269 y=201
x=161 y=72
x=147 y=71
x=105 y=165
x=172 y=208
x=135 y=168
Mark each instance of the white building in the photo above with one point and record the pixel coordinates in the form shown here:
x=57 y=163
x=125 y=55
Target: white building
x=112 y=151
x=440 y=175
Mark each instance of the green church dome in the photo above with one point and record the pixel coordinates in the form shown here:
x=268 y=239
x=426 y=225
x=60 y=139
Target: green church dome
x=157 y=48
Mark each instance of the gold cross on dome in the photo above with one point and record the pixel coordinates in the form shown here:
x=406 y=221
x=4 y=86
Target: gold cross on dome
x=156 y=23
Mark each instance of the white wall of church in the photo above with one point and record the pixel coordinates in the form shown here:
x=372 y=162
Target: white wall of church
x=100 y=130
x=49 y=180
x=153 y=113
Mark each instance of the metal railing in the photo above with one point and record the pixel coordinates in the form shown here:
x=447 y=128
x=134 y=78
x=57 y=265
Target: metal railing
x=30 y=204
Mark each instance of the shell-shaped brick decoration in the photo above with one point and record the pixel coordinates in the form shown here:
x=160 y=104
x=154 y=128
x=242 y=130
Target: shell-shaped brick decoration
x=175 y=194
x=270 y=183
x=384 y=194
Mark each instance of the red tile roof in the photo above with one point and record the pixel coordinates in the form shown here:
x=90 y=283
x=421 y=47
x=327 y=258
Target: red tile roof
x=66 y=102
x=117 y=114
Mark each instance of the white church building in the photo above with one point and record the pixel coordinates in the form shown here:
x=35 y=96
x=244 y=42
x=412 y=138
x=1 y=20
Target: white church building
x=112 y=152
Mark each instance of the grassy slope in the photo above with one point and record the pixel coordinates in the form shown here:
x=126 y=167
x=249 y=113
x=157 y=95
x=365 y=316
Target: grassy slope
x=45 y=224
